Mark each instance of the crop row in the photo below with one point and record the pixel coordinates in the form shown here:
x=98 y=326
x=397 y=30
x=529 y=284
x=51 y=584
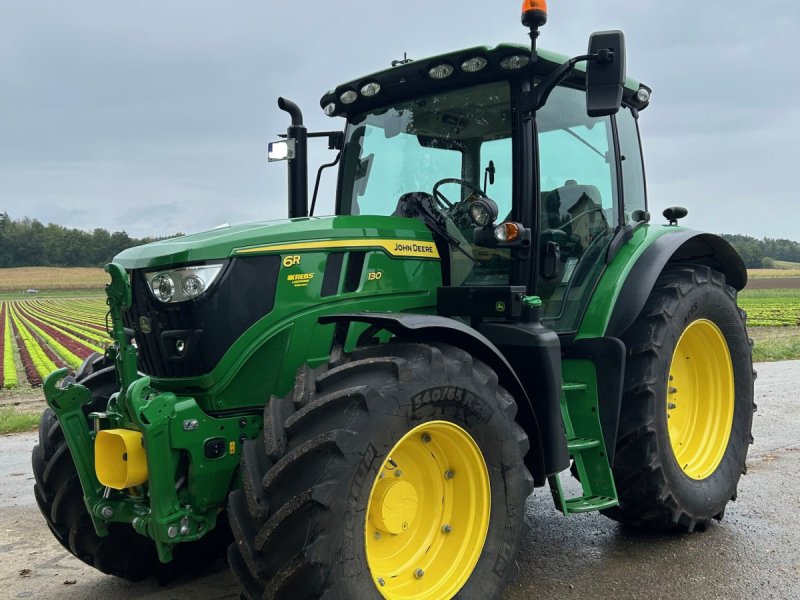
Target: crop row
x=38 y=336
x=772 y=313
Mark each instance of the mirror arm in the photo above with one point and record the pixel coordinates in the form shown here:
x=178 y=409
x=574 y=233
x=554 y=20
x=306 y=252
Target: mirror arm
x=549 y=83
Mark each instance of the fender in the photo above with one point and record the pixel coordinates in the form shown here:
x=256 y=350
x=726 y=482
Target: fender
x=428 y=327
x=683 y=245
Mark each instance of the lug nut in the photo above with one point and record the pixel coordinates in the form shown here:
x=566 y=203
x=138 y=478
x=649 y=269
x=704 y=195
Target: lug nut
x=381 y=582
x=398 y=473
x=671 y=406
x=185 y=530
x=446 y=528
x=449 y=474
x=426 y=438
x=377 y=535
x=419 y=573
x=673 y=390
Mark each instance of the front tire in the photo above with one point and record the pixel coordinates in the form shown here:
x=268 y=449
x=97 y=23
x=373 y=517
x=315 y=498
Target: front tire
x=353 y=492
x=687 y=405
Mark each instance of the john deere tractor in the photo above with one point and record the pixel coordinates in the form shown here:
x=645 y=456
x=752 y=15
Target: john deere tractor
x=357 y=406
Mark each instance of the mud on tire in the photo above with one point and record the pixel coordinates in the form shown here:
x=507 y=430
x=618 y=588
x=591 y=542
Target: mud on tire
x=654 y=490
x=299 y=519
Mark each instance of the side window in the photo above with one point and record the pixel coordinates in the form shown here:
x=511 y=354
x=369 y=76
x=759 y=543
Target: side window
x=632 y=168
x=579 y=204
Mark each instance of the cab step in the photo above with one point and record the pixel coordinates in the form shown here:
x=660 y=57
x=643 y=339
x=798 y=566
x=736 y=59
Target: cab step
x=580 y=413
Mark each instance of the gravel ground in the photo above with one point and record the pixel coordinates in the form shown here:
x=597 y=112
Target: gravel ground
x=753 y=553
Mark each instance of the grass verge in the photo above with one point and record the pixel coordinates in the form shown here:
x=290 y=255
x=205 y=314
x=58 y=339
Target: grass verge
x=775 y=343
x=13 y=421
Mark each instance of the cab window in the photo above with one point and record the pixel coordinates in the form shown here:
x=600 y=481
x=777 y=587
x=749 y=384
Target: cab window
x=579 y=204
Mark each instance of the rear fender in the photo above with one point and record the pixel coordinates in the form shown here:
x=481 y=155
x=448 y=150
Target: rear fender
x=682 y=246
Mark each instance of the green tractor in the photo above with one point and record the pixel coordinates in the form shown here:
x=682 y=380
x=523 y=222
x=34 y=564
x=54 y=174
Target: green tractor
x=358 y=406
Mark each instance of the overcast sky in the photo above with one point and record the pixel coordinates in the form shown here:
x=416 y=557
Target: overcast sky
x=153 y=116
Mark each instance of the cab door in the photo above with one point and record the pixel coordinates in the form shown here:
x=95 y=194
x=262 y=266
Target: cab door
x=579 y=206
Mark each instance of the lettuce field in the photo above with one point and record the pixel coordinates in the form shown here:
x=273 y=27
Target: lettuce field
x=771 y=307
x=38 y=336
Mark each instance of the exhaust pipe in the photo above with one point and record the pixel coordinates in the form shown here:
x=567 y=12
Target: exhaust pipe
x=298 y=165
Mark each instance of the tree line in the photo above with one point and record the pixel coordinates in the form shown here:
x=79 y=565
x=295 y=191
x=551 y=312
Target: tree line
x=29 y=243
x=763 y=253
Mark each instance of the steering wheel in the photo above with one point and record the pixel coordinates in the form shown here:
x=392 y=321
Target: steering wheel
x=442 y=200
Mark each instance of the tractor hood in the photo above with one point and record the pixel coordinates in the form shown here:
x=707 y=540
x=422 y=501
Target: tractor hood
x=229 y=241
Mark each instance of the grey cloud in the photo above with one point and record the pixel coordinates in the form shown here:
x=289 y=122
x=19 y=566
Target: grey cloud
x=154 y=116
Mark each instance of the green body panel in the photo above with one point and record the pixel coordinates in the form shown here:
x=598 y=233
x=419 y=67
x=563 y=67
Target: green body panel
x=240 y=380
x=223 y=242
x=606 y=293
x=173 y=414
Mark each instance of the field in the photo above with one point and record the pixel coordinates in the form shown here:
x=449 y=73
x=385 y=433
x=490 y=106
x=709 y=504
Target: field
x=772 y=307
x=39 y=335
x=50 y=278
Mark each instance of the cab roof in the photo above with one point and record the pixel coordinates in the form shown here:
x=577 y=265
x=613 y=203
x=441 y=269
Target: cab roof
x=411 y=78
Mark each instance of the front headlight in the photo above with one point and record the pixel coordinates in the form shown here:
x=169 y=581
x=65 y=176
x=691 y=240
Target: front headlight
x=186 y=283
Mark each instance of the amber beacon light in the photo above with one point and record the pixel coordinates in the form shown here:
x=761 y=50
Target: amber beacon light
x=534 y=13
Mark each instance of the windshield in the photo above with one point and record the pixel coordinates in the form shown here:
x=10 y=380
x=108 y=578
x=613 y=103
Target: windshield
x=412 y=145
x=455 y=143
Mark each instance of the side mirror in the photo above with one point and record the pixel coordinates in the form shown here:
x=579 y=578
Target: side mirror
x=605 y=75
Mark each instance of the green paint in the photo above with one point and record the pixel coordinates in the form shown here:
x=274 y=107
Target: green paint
x=580 y=412
x=222 y=243
x=601 y=305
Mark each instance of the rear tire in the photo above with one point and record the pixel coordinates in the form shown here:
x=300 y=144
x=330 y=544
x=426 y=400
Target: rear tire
x=689 y=359
x=301 y=520
x=123 y=553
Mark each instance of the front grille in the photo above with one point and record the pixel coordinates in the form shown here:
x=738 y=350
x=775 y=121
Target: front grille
x=206 y=327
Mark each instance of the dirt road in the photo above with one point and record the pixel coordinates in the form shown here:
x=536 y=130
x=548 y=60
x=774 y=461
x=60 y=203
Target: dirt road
x=753 y=553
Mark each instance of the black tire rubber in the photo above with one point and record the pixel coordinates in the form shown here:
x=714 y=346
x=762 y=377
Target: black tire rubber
x=298 y=520
x=123 y=553
x=654 y=491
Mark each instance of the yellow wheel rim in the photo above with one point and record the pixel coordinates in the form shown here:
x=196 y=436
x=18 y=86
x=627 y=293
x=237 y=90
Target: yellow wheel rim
x=428 y=514
x=700 y=399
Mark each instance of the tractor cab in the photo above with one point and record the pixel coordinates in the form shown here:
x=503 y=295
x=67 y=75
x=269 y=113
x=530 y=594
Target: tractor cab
x=494 y=149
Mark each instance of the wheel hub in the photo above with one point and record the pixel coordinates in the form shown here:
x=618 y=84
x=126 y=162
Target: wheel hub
x=394 y=506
